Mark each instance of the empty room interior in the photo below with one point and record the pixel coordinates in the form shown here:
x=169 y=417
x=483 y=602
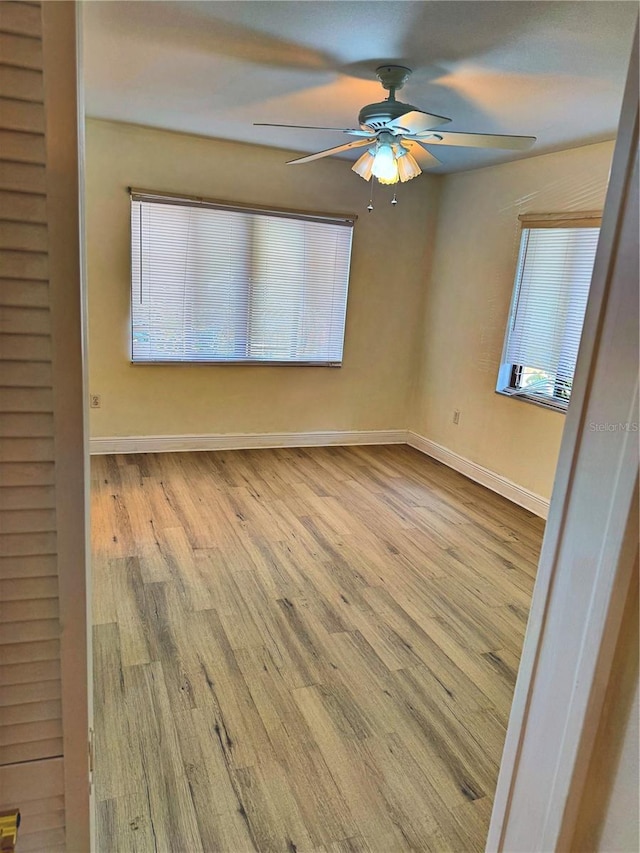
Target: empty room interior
x=336 y=258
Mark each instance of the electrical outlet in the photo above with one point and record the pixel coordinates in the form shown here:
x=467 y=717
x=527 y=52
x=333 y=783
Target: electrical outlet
x=456 y=416
x=95 y=401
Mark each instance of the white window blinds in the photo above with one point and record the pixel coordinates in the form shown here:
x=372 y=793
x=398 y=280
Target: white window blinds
x=211 y=282
x=550 y=299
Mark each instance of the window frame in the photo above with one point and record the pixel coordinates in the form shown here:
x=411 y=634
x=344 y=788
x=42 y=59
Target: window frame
x=158 y=197
x=509 y=374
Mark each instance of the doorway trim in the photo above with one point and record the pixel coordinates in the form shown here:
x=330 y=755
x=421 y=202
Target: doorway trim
x=590 y=545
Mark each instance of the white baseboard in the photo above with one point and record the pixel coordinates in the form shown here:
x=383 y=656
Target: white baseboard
x=248 y=441
x=242 y=441
x=497 y=483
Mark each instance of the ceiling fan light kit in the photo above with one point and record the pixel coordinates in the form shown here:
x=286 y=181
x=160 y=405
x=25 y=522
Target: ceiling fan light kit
x=388 y=161
x=397 y=135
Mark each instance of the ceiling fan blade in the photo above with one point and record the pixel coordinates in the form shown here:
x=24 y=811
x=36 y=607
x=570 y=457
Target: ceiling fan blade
x=425 y=158
x=477 y=140
x=355 y=131
x=357 y=144
x=416 y=121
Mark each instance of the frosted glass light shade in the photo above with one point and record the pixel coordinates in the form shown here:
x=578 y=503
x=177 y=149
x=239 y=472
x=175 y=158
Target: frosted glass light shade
x=364 y=165
x=408 y=167
x=393 y=179
x=384 y=165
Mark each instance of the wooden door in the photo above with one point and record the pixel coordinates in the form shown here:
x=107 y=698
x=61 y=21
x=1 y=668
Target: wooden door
x=43 y=643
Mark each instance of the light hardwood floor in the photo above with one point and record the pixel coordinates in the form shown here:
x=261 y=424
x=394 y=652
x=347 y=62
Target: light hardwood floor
x=302 y=650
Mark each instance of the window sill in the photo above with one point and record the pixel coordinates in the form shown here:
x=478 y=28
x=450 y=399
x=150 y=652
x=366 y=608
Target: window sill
x=247 y=362
x=536 y=399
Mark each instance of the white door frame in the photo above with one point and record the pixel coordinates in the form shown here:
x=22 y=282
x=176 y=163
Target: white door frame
x=590 y=545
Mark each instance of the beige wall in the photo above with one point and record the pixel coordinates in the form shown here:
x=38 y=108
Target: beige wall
x=467 y=306
x=390 y=263
x=424 y=335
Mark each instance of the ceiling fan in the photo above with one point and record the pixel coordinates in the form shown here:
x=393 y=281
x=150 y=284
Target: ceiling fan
x=396 y=134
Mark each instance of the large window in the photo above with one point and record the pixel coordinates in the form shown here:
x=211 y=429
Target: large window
x=216 y=283
x=553 y=277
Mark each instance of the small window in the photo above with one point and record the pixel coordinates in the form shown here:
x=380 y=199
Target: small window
x=551 y=289
x=212 y=282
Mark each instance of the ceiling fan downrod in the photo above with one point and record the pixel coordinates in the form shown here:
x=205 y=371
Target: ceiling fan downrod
x=392 y=78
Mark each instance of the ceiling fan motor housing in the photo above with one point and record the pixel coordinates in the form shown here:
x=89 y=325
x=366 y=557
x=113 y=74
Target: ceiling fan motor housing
x=377 y=115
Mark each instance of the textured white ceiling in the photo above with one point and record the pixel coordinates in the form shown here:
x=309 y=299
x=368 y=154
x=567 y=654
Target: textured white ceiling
x=554 y=70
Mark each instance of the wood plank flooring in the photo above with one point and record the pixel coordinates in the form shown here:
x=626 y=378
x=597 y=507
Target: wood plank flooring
x=302 y=650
